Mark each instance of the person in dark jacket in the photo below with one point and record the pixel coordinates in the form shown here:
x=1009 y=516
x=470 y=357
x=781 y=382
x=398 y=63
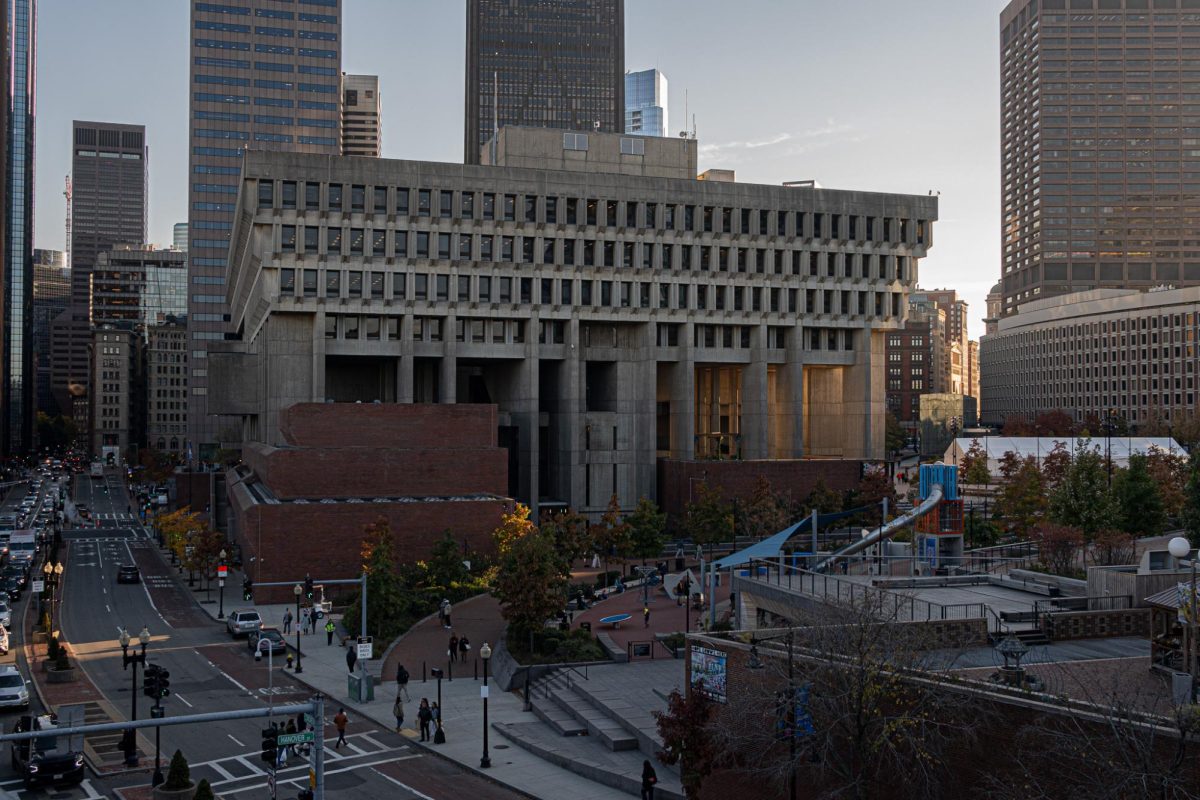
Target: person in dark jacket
x=453 y=650
x=649 y=779
x=424 y=717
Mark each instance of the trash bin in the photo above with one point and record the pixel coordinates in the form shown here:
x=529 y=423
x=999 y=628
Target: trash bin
x=360 y=688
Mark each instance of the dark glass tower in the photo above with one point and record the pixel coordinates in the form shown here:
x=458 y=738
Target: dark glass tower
x=16 y=391
x=558 y=64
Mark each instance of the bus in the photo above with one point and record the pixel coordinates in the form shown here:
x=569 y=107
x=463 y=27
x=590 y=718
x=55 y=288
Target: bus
x=22 y=545
x=97 y=469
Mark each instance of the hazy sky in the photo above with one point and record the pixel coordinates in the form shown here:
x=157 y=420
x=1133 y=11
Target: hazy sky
x=859 y=94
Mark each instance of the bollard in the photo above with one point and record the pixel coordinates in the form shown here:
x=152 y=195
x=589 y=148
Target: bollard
x=449 y=672
x=423 y=678
x=476 y=665
x=528 y=706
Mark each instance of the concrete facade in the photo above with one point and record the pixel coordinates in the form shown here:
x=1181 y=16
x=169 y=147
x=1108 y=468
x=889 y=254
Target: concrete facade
x=118 y=384
x=166 y=385
x=362 y=116
x=1099 y=114
x=1126 y=352
x=612 y=318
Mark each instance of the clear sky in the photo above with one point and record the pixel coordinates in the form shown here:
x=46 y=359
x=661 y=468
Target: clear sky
x=859 y=94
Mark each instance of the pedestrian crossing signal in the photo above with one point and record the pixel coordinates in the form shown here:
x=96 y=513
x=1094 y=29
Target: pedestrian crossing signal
x=247 y=590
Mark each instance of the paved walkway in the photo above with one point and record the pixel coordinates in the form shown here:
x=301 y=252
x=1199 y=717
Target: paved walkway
x=324 y=669
x=665 y=615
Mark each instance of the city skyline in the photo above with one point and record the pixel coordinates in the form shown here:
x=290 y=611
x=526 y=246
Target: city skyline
x=832 y=136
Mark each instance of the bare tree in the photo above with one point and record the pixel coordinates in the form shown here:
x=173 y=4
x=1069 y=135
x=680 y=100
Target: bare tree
x=856 y=711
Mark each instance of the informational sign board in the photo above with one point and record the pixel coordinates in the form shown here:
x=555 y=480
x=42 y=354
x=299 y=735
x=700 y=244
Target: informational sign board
x=708 y=673
x=366 y=649
x=39 y=586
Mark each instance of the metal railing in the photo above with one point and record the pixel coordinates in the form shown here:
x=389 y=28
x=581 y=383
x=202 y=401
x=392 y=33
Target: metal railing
x=1112 y=602
x=830 y=588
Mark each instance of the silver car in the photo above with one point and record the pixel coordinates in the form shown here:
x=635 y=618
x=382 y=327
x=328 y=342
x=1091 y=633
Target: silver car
x=5 y=616
x=14 y=691
x=243 y=622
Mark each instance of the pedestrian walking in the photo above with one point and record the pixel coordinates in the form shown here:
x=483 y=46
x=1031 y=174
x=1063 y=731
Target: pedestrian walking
x=436 y=711
x=453 y=648
x=398 y=712
x=402 y=682
x=289 y=750
x=446 y=622
x=464 y=647
x=329 y=629
x=646 y=615
x=351 y=657
x=287 y=621
x=339 y=722
x=649 y=778
x=304 y=621
x=424 y=717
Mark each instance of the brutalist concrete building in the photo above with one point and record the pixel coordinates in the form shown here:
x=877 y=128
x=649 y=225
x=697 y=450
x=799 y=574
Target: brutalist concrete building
x=614 y=308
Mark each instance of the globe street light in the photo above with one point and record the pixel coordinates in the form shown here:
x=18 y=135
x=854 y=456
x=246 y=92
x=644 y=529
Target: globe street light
x=485 y=653
x=126 y=660
x=298 y=590
x=1181 y=548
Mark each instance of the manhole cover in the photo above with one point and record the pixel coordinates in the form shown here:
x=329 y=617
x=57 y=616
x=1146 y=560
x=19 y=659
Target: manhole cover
x=499 y=747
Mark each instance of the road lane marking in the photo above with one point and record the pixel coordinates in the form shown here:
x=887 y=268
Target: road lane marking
x=235 y=741
x=245 y=762
x=146 y=589
x=403 y=786
x=230 y=678
x=179 y=697
x=226 y=774
x=302 y=774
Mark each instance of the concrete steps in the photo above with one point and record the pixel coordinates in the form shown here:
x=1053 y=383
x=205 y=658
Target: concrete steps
x=620 y=770
x=595 y=720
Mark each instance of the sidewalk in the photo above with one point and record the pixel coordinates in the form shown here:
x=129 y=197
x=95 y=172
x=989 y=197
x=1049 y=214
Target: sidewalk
x=324 y=669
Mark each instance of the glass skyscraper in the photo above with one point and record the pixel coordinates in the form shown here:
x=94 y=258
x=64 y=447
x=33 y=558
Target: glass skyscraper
x=556 y=64
x=18 y=379
x=265 y=75
x=646 y=103
x=1100 y=125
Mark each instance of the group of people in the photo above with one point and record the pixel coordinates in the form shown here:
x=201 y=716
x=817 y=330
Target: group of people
x=429 y=716
x=459 y=646
x=308 y=623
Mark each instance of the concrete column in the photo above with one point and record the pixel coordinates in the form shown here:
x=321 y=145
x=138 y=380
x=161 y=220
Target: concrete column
x=572 y=418
x=755 y=405
x=319 y=392
x=525 y=405
x=787 y=423
x=404 y=365
x=641 y=475
x=864 y=399
x=683 y=399
x=824 y=412
x=448 y=369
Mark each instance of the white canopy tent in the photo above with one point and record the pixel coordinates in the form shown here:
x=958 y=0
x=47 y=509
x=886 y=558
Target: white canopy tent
x=1118 y=448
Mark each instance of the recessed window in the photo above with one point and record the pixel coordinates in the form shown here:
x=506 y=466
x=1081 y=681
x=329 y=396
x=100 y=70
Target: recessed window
x=575 y=141
x=632 y=146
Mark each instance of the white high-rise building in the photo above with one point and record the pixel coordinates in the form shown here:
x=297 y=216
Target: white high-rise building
x=646 y=103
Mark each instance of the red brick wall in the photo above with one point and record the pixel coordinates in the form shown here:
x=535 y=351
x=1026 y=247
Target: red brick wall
x=288 y=540
x=379 y=472
x=193 y=489
x=405 y=425
x=736 y=479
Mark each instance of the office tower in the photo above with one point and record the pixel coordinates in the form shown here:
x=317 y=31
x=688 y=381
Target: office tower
x=954 y=367
x=557 y=65
x=180 y=235
x=139 y=285
x=109 y=178
x=51 y=296
x=16 y=361
x=362 y=131
x=1100 y=184
x=118 y=389
x=646 y=103
x=615 y=310
x=915 y=357
x=264 y=75
x=166 y=385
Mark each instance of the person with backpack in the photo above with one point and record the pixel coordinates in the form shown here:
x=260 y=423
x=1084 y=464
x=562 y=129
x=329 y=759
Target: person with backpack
x=424 y=717
x=402 y=678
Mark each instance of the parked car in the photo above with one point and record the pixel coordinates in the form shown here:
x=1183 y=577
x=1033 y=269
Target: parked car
x=272 y=635
x=243 y=621
x=14 y=691
x=128 y=573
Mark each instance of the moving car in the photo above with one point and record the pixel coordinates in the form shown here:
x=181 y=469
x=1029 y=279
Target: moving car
x=12 y=588
x=14 y=691
x=47 y=760
x=128 y=573
x=243 y=621
x=272 y=635
x=5 y=615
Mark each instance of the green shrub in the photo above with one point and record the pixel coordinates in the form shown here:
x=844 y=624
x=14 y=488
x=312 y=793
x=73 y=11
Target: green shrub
x=203 y=791
x=178 y=776
x=61 y=661
x=552 y=646
x=607 y=578
x=675 y=641
x=52 y=648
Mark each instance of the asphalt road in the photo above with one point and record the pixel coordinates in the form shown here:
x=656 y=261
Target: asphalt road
x=209 y=671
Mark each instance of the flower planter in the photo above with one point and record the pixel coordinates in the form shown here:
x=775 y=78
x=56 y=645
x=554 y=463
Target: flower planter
x=159 y=793
x=68 y=675
x=39 y=637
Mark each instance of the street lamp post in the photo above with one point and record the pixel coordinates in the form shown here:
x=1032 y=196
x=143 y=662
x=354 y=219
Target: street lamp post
x=221 y=586
x=485 y=653
x=52 y=573
x=298 y=590
x=1181 y=548
x=127 y=660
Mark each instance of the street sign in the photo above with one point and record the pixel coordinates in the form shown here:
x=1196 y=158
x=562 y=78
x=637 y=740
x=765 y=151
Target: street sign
x=271 y=783
x=295 y=738
x=365 y=650
x=222 y=572
x=39 y=586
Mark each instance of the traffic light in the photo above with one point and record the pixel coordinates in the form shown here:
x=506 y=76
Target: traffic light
x=270 y=745
x=308 y=587
x=247 y=589
x=164 y=683
x=150 y=676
